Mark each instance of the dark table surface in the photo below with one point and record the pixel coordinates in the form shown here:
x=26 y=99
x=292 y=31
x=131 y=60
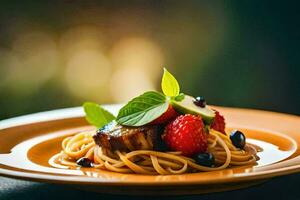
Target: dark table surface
x=287 y=187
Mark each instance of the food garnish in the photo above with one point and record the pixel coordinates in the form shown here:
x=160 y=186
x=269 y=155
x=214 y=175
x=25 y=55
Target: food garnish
x=157 y=133
x=152 y=105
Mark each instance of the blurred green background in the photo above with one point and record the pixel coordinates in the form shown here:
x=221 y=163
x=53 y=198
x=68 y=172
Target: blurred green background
x=56 y=54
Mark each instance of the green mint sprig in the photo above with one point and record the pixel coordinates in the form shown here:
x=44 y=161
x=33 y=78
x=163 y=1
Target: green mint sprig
x=170 y=86
x=143 y=109
x=96 y=115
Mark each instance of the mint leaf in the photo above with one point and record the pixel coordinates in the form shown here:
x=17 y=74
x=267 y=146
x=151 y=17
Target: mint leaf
x=143 y=109
x=169 y=84
x=96 y=115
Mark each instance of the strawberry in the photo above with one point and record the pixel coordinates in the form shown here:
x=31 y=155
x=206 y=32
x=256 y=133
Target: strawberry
x=186 y=134
x=166 y=117
x=218 y=123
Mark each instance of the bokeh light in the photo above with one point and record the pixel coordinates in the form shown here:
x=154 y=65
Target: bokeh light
x=10 y=60
x=87 y=73
x=127 y=83
x=62 y=54
x=138 y=52
x=81 y=37
x=138 y=62
x=35 y=61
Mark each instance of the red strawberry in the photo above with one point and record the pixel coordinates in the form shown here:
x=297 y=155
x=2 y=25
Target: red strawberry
x=218 y=123
x=186 y=134
x=166 y=117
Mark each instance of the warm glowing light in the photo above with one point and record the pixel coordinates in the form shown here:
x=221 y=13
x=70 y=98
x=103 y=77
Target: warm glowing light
x=87 y=74
x=8 y=60
x=35 y=61
x=127 y=83
x=138 y=53
x=81 y=37
x=138 y=62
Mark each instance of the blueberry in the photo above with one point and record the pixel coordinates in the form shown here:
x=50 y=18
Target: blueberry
x=200 y=101
x=238 y=139
x=205 y=159
x=84 y=162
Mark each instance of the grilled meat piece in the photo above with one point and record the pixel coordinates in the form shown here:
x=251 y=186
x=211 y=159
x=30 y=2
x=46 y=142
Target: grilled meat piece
x=117 y=137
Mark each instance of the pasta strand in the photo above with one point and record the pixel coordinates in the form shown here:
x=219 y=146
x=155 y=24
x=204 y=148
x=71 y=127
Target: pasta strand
x=150 y=161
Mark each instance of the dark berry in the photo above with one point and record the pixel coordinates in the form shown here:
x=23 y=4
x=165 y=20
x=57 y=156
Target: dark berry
x=238 y=139
x=205 y=159
x=200 y=101
x=84 y=162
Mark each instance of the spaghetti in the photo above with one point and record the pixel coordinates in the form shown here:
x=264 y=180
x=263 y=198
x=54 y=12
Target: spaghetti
x=149 y=161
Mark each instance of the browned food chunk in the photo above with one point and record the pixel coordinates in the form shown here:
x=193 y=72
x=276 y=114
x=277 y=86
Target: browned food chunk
x=117 y=137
